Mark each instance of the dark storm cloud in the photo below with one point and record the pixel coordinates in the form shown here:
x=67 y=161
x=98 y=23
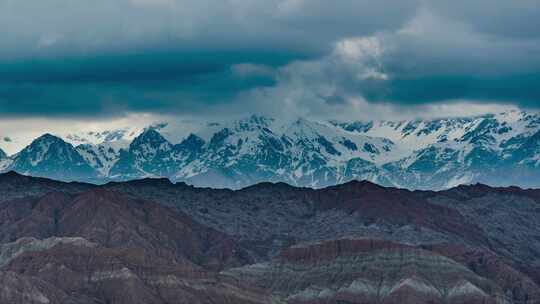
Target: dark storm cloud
x=58 y=28
x=442 y=57
x=77 y=57
x=445 y=56
x=82 y=94
x=60 y=57
x=511 y=19
x=523 y=90
x=140 y=67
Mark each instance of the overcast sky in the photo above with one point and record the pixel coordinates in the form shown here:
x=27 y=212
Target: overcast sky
x=110 y=59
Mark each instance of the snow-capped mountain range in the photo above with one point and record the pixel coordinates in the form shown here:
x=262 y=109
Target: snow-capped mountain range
x=497 y=149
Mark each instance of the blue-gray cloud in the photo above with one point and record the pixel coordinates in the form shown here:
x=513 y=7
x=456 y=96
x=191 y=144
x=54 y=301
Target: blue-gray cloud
x=523 y=90
x=115 y=89
x=61 y=27
x=60 y=57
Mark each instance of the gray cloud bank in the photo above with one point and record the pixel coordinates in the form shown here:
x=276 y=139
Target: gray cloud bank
x=65 y=57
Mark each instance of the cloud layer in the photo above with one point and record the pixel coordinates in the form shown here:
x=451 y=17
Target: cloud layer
x=305 y=57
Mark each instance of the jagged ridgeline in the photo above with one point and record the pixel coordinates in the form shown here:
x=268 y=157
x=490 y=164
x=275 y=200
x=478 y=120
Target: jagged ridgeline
x=152 y=241
x=500 y=149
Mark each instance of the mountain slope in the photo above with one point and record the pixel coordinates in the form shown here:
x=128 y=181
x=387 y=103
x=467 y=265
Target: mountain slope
x=374 y=271
x=152 y=241
x=115 y=220
x=101 y=157
x=125 y=251
x=302 y=153
x=147 y=155
x=4 y=160
x=52 y=157
x=500 y=149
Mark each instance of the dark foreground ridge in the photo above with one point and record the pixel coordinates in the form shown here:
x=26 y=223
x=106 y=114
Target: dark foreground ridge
x=152 y=241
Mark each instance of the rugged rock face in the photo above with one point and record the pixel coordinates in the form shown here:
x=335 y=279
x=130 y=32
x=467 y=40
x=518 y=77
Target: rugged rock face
x=107 y=275
x=278 y=214
x=374 y=271
x=517 y=286
x=115 y=220
x=10 y=251
x=18 y=288
x=105 y=247
x=509 y=217
x=14 y=185
x=145 y=155
x=152 y=241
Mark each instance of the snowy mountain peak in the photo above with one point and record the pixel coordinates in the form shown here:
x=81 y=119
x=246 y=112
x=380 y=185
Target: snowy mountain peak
x=40 y=148
x=98 y=137
x=496 y=149
x=102 y=156
x=3 y=154
x=192 y=141
x=50 y=156
x=254 y=121
x=47 y=138
x=356 y=126
x=149 y=136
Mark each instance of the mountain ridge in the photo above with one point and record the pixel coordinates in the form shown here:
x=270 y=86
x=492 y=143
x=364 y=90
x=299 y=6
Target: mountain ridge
x=152 y=241
x=500 y=149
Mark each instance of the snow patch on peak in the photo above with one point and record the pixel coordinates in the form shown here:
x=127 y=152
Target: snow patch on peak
x=103 y=156
x=124 y=135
